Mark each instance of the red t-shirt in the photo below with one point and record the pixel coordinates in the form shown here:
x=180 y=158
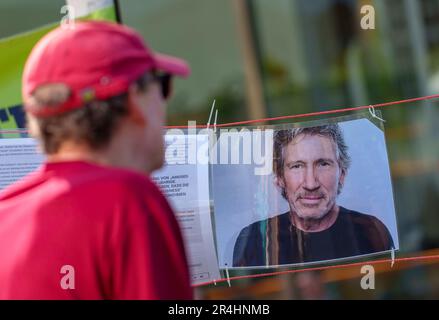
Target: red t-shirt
x=113 y=226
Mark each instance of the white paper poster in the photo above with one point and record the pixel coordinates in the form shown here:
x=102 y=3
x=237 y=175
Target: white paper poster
x=186 y=186
x=328 y=196
x=18 y=157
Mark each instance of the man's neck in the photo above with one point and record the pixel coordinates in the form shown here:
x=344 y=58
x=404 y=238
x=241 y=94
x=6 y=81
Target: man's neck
x=114 y=155
x=316 y=225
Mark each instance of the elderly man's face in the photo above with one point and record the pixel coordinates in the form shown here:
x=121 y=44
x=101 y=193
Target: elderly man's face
x=311 y=175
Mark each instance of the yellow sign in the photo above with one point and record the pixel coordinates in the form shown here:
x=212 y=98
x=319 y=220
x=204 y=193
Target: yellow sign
x=13 y=54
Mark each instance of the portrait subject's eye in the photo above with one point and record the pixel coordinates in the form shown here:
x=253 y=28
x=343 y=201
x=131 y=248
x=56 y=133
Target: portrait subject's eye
x=324 y=163
x=295 y=166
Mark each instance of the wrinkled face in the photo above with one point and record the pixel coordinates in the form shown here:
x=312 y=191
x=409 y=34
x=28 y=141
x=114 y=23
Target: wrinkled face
x=311 y=175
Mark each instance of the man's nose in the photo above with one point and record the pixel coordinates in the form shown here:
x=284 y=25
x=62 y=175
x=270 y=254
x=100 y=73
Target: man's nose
x=311 y=182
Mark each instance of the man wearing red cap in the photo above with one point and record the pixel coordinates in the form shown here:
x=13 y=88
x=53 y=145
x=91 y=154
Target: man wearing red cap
x=89 y=223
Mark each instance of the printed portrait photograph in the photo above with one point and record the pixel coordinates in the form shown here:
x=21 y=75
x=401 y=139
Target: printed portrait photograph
x=328 y=197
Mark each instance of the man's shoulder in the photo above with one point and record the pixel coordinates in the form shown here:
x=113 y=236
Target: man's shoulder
x=108 y=179
x=109 y=174
x=357 y=217
x=115 y=193
x=77 y=176
x=83 y=184
x=363 y=221
x=369 y=226
x=122 y=185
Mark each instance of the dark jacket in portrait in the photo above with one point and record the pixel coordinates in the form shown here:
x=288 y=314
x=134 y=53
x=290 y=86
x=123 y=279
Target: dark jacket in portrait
x=275 y=241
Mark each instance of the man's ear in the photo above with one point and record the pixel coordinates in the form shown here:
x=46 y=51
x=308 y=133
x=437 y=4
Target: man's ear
x=279 y=182
x=134 y=105
x=342 y=177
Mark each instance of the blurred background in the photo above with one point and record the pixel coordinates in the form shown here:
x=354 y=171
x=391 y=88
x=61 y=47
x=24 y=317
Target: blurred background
x=267 y=58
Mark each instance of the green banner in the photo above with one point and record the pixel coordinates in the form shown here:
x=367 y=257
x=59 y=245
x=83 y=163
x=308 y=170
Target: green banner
x=13 y=54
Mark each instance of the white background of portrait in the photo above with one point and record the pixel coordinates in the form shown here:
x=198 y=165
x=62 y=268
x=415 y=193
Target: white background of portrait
x=241 y=198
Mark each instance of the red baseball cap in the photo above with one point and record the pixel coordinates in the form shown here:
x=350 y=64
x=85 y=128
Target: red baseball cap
x=95 y=60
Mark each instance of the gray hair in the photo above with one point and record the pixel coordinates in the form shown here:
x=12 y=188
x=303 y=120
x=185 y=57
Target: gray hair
x=283 y=137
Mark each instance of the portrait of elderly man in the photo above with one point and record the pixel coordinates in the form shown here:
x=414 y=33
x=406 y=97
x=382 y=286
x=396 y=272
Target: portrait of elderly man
x=310 y=166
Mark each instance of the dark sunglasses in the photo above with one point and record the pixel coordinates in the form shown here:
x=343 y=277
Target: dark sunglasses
x=165 y=82
x=164 y=79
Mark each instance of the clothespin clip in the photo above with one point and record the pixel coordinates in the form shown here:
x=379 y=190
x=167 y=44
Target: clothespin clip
x=214 y=123
x=392 y=255
x=228 y=276
x=373 y=113
x=210 y=115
